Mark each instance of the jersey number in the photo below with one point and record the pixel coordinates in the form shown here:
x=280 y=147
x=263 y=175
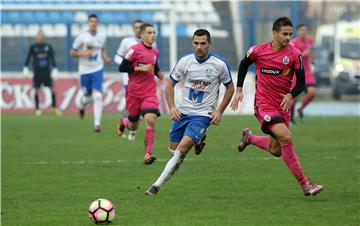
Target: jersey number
x=195 y=95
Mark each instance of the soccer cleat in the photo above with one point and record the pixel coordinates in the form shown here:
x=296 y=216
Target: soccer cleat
x=81 y=113
x=97 y=129
x=131 y=136
x=153 y=190
x=56 y=111
x=199 y=147
x=301 y=115
x=120 y=128
x=149 y=159
x=311 y=189
x=38 y=112
x=244 y=140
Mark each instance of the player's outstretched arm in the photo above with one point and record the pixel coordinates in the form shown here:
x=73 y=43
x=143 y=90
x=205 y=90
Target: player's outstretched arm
x=242 y=70
x=169 y=93
x=216 y=115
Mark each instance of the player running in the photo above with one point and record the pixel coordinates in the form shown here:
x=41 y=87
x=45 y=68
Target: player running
x=141 y=62
x=275 y=63
x=202 y=73
x=43 y=64
x=90 y=48
x=304 y=44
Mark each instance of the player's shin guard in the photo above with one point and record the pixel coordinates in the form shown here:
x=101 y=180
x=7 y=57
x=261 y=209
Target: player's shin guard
x=149 y=140
x=262 y=142
x=171 y=167
x=291 y=160
x=98 y=105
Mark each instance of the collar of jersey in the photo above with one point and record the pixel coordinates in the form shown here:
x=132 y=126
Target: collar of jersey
x=202 y=61
x=146 y=45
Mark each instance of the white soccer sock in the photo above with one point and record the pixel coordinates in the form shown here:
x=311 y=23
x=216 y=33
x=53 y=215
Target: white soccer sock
x=85 y=101
x=171 y=167
x=98 y=105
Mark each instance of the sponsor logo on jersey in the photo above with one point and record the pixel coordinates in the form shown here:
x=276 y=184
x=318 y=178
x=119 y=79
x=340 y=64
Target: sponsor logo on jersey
x=286 y=60
x=268 y=71
x=208 y=72
x=198 y=84
x=275 y=71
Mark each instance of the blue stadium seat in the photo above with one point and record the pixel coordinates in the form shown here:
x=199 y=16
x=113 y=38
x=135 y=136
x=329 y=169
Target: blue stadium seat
x=120 y=17
x=107 y=17
x=55 y=17
x=27 y=17
x=41 y=17
x=181 y=30
x=146 y=16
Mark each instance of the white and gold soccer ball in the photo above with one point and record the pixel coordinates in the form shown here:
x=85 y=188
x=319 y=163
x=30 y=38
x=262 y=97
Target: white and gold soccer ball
x=101 y=211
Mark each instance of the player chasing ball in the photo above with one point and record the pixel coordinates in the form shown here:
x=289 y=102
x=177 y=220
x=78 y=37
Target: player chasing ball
x=275 y=63
x=202 y=73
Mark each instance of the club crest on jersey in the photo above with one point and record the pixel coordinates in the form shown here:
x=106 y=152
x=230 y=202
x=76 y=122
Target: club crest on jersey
x=46 y=48
x=267 y=118
x=208 y=72
x=286 y=60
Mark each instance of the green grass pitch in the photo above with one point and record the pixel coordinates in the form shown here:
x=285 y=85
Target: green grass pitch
x=54 y=167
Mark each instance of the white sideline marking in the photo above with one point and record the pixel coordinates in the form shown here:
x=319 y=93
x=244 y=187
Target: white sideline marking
x=120 y=161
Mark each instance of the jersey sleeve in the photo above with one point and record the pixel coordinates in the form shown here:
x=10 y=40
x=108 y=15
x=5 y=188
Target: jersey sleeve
x=130 y=54
x=77 y=43
x=298 y=61
x=177 y=73
x=251 y=53
x=225 y=76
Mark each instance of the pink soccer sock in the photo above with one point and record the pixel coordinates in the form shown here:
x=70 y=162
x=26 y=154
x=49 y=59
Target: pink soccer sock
x=149 y=140
x=262 y=142
x=306 y=101
x=125 y=122
x=291 y=160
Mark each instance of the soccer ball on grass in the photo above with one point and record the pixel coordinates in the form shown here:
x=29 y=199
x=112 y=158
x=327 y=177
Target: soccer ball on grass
x=101 y=211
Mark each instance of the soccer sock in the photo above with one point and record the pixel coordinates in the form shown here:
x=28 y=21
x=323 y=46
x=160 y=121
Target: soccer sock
x=53 y=99
x=306 y=101
x=262 y=142
x=97 y=108
x=85 y=101
x=149 y=140
x=171 y=167
x=36 y=101
x=291 y=160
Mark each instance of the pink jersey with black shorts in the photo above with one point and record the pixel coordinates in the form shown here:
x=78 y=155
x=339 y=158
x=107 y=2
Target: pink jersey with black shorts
x=302 y=45
x=274 y=73
x=141 y=96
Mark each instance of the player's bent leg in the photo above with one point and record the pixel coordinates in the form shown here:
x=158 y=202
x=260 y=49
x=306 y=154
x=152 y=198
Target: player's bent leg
x=290 y=158
x=172 y=165
x=172 y=147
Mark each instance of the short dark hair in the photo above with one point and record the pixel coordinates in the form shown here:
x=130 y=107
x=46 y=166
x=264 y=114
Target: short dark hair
x=202 y=32
x=137 y=21
x=93 y=16
x=300 y=25
x=281 y=22
x=144 y=26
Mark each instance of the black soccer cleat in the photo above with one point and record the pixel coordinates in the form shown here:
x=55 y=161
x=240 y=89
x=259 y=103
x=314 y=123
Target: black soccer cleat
x=81 y=113
x=199 y=147
x=153 y=190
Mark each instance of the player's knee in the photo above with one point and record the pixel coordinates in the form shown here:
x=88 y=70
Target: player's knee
x=276 y=152
x=286 y=138
x=150 y=123
x=97 y=96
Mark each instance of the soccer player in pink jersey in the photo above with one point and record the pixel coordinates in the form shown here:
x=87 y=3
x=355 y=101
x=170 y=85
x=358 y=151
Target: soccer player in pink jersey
x=276 y=61
x=141 y=62
x=304 y=44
